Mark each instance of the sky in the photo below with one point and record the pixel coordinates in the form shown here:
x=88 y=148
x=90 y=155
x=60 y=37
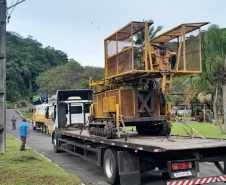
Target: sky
x=79 y=27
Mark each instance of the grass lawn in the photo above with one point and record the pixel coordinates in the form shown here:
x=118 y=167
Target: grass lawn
x=26 y=114
x=205 y=129
x=28 y=167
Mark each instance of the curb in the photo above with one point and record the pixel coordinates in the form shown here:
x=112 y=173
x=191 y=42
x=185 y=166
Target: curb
x=23 y=116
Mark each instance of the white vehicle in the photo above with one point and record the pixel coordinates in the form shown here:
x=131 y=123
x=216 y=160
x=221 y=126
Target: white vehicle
x=71 y=108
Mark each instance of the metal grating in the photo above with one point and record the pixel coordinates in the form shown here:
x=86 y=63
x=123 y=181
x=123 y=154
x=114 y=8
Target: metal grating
x=137 y=26
x=175 y=32
x=125 y=61
x=112 y=65
x=111 y=46
x=127 y=103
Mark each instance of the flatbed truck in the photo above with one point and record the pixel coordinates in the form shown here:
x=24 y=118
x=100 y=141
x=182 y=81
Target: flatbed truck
x=124 y=159
x=41 y=121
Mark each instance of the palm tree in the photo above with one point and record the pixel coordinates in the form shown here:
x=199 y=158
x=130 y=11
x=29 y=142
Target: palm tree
x=152 y=33
x=215 y=54
x=214 y=67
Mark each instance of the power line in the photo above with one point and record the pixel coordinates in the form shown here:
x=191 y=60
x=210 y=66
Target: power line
x=82 y=22
x=62 y=26
x=13 y=6
x=71 y=15
x=97 y=27
x=67 y=24
x=82 y=16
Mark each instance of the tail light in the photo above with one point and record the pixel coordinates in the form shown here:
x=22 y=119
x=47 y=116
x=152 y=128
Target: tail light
x=181 y=166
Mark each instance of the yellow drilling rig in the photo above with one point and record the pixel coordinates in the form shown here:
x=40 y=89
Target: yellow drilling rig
x=138 y=77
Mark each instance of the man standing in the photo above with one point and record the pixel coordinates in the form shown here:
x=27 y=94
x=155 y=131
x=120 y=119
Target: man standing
x=14 y=123
x=24 y=132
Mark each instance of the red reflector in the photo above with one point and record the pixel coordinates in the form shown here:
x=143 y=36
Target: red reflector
x=181 y=166
x=160 y=149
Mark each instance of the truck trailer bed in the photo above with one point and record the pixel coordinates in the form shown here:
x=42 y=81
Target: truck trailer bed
x=148 y=143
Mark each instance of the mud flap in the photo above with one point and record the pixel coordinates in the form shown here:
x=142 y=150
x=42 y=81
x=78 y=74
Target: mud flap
x=129 y=169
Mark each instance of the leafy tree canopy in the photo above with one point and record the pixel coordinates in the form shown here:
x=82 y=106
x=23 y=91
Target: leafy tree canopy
x=26 y=59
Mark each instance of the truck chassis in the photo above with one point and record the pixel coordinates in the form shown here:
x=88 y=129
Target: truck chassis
x=124 y=161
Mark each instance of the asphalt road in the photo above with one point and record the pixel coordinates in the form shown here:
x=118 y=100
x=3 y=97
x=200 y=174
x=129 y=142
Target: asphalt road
x=87 y=172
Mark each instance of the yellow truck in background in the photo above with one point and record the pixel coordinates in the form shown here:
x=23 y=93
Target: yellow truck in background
x=39 y=120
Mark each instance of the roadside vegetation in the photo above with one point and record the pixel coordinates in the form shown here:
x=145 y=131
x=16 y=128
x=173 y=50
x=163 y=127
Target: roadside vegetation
x=28 y=167
x=27 y=114
x=207 y=130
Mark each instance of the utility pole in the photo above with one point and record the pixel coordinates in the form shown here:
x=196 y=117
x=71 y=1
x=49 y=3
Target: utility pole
x=3 y=8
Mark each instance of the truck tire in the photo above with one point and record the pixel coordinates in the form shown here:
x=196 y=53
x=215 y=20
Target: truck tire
x=33 y=127
x=55 y=141
x=111 y=166
x=41 y=128
x=44 y=128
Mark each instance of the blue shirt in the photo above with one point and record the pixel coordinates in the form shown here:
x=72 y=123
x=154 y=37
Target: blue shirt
x=23 y=129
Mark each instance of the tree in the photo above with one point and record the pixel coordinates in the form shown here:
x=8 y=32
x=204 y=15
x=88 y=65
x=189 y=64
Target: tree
x=214 y=67
x=68 y=76
x=215 y=55
x=26 y=59
x=152 y=33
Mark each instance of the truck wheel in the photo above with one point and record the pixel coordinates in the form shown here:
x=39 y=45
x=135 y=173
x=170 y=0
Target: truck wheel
x=111 y=166
x=33 y=127
x=41 y=127
x=54 y=141
x=44 y=128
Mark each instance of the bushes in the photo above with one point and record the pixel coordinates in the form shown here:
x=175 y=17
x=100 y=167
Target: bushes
x=23 y=102
x=10 y=105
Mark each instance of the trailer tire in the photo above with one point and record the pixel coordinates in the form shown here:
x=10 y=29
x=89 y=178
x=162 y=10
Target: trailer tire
x=54 y=141
x=44 y=128
x=111 y=166
x=41 y=127
x=33 y=127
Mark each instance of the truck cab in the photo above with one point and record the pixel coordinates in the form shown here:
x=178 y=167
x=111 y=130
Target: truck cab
x=72 y=108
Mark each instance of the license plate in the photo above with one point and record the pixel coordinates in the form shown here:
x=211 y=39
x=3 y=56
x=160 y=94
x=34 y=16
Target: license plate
x=182 y=173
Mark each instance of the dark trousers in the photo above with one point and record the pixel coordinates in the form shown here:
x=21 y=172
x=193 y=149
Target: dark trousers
x=14 y=126
x=23 y=142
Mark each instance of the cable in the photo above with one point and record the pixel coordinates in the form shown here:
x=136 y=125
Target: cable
x=80 y=22
x=61 y=26
x=67 y=24
x=89 y=19
x=82 y=17
x=71 y=15
x=8 y=17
